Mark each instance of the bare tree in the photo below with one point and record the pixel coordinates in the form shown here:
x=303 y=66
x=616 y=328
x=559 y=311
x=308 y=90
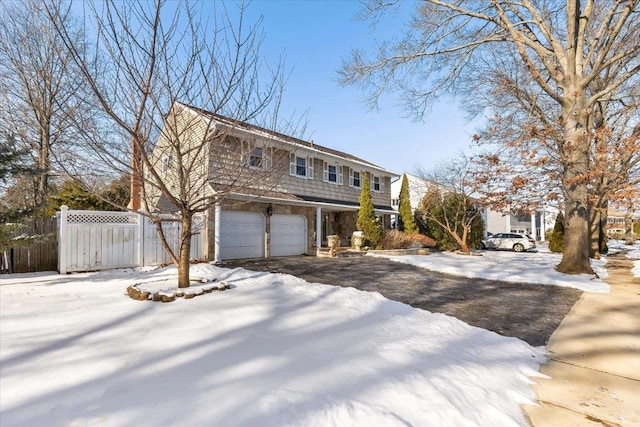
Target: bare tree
x=448 y=203
x=563 y=48
x=175 y=80
x=38 y=87
x=522 y=169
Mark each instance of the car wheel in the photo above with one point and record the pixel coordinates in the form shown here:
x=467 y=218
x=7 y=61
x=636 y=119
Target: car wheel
x=483 y=246
x=518 y=247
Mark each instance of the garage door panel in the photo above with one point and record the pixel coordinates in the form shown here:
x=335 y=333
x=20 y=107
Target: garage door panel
x=288 y=235
x=241 y=235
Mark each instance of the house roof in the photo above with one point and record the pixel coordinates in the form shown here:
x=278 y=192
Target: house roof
x=248 y=127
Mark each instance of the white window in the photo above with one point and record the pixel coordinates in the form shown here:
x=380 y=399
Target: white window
x=376 y=183
x=301 y=166
x=332 y=173
x=355 y=179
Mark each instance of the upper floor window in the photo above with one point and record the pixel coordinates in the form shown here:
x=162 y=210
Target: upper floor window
x=256 y=159
x=332 y=173
x=377 y=183
x=301 y=166
x=355 y=179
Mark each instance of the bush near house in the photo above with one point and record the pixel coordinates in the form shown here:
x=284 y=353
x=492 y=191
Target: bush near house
x=367 y=220
x=395 y=239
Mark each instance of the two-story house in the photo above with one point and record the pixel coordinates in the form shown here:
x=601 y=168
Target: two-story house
x=278 y=195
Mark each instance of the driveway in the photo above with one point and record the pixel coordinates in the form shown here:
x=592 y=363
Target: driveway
x=526 y=311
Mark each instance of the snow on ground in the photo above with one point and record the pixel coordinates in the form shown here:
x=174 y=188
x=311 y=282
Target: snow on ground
x=523 y=267
x=272 y=351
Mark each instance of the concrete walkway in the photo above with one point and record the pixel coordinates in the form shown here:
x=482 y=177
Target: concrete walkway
x=594 y=359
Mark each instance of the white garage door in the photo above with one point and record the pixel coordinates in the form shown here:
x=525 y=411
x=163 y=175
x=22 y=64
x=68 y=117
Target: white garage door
x=288 y=235
x=241 y=235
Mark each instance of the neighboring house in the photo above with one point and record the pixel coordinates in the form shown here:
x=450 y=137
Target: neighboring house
x=616 y=223
x=495 y=222
x=282 y=195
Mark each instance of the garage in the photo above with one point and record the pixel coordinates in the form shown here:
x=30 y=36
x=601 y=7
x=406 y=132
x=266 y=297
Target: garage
x=288 y=235
x=241 y=235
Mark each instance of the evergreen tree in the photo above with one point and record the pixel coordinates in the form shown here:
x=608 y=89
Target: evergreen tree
x=74 y=196
x=367 y=221
x=556 y=243
x=406 y=222
x=13 y=163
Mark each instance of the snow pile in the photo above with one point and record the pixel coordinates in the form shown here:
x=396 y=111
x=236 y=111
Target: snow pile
x=523 y=267
x=273 y=351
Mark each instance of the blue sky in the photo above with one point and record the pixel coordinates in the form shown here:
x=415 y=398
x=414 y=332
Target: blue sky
x=315 y=36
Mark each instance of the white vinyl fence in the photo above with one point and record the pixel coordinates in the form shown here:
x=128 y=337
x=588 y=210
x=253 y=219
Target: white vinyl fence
x=98 y=240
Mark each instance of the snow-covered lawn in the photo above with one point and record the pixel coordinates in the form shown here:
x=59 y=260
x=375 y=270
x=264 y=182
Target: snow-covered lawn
x=524 y=267
x=272 y=351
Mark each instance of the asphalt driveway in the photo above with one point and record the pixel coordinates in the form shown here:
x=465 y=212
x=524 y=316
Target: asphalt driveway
x=526 y=311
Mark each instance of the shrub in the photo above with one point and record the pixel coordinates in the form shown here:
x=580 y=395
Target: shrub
x=395 y=239
x=425 y=241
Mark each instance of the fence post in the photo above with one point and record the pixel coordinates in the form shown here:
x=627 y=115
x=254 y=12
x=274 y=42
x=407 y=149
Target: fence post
x=140 y=240
x=62 y=243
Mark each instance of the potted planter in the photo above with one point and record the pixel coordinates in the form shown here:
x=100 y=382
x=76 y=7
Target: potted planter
x=357 y=240
x=333 y=241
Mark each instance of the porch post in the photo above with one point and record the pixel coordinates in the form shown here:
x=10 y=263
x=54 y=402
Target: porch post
x=543 y=225
x=216 y=233
x=533 y=225
x=508 y=230
x=318 y=227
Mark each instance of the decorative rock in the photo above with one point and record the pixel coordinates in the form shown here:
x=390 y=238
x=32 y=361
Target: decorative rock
x=167 y=296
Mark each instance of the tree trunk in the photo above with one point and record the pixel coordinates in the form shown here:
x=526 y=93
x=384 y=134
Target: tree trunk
x=628 y=225
x=604 y=215
x=595 y=213
x=185 y=251
x=575 y=257
x=463 y=241
x=136 y=176
x=43 y=164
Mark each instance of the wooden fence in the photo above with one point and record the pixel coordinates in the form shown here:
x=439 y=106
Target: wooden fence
x=34 y=247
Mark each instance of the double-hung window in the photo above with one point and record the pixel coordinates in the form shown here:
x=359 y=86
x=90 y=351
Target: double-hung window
x=301 y=166
x=255 y=159
x=376 y=183
x=332 y=173
x=355 y=179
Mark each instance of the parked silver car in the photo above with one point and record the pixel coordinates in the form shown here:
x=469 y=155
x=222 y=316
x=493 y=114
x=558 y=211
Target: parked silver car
x=510 y=241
